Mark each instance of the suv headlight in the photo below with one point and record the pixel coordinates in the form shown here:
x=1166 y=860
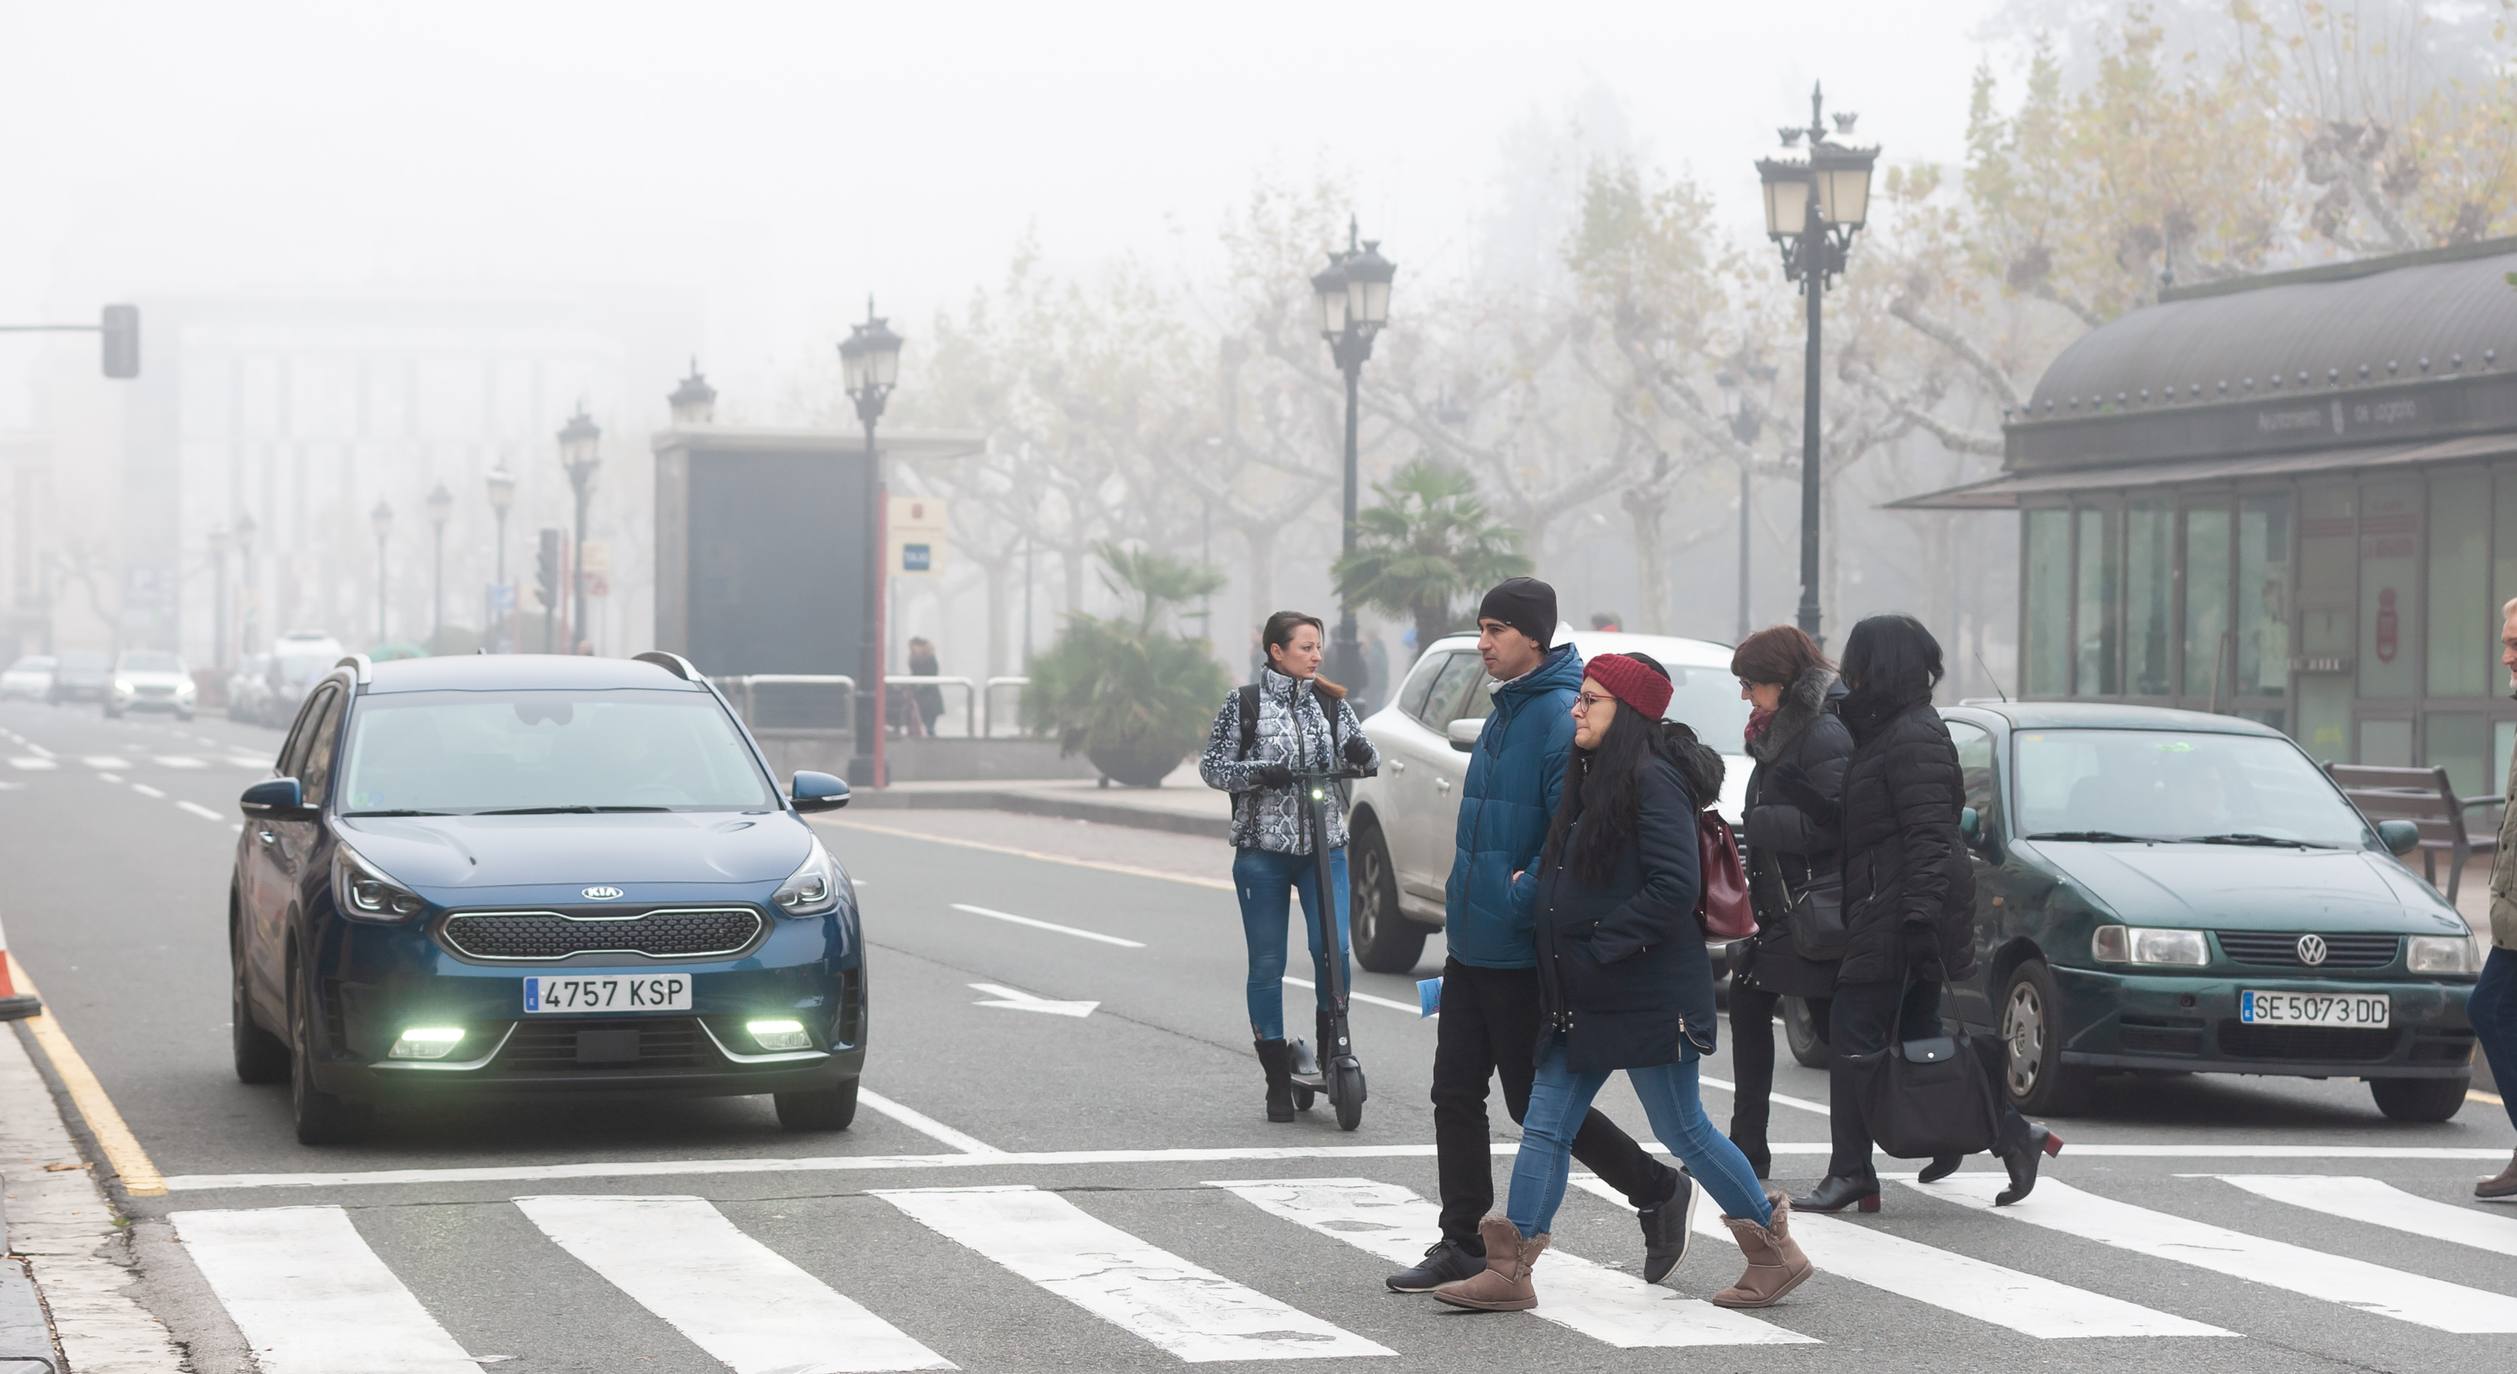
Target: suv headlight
x=2143 y=945
x=813 y=889
x=123 y=687
x=365 y=894
x=2441 y=954
x=185 y=687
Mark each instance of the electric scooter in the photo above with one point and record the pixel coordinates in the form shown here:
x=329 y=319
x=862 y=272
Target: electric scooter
x=1333 y=1070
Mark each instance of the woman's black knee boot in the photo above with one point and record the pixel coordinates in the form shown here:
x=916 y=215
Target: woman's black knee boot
x=1277 y=1058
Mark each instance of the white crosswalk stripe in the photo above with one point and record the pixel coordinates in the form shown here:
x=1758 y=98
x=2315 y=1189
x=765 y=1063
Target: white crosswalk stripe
x=311 y=1297
x=2355 y=1283
x=108 y=763
x=1153 y=1294
x=33 y=764
x=1393 y=1223
x=731 y=1295
x=178 y=761
x=2382 y=1204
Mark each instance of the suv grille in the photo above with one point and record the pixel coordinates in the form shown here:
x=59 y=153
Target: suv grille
x=2281 y=949
x=547 y=935
x=621 y=1043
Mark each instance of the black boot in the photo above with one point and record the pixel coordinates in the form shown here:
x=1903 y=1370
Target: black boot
x=1277 y=1059
x=1836 y=1192
x=2022 y=1157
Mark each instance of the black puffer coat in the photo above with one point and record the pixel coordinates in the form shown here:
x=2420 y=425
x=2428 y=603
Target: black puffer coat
x=1622 y=968
x=1793 y=820
x=1909 y=888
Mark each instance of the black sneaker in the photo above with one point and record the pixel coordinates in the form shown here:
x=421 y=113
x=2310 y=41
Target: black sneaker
x=1667 y=1229
x=1446 y=1261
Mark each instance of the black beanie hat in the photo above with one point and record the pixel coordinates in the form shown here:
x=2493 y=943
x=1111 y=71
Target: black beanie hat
x=1524 y=603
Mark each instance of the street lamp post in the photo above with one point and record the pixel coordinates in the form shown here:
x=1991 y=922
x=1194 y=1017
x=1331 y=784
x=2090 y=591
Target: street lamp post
x=1353 y=293
x=245 y=528
x=1812 y=210
x=579 y=444
x=382 y=518
x=502 y=496
x=869 y=359
x=440 y=505
x=218 y=594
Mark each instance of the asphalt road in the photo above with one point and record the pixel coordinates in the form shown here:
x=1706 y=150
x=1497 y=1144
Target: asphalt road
x=1033 y=1191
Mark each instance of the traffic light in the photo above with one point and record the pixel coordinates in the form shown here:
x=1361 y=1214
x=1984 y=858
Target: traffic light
x=122 y=342
x=546 y=570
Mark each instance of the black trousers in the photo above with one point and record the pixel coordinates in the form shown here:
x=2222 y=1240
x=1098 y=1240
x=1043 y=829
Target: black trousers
x=1864 y=1018
x=1753 y=1014
x=1489 y=1028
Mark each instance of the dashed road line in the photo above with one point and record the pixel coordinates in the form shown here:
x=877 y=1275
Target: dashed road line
x=197 y=809
x=147 y=791
x=992 y=914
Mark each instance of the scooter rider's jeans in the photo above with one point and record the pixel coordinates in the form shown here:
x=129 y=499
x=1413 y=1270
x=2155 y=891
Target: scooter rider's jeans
x=1266 y=882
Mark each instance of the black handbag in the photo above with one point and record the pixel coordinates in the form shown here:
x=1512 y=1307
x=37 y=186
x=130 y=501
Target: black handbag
x=1815 y=917
x=1928 y=1097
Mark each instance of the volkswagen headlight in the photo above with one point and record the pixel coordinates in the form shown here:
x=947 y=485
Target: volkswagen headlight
x=2441 y=954
x=813 y=889
x=2143 y=945
x=364 y=893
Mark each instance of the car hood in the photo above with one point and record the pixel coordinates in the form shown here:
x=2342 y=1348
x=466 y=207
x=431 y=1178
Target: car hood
x=625 y=851
x=2227 y=887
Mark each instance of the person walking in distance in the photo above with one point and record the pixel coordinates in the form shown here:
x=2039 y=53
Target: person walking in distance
x=1490 y=1021
x=1625 y=982
x=1290 y=719
x=1909 y=906
x=1790 y=828
x=2492 y=1007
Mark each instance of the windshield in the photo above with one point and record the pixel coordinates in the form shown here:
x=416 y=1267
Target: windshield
x=143 y=662
x=465 y=752
x=2159 y=785
x=36 y=664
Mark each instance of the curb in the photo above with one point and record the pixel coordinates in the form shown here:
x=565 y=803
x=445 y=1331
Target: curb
x=25 y=1333
x=1062 y=808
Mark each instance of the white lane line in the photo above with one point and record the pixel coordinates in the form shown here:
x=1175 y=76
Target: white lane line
x=926 y=1125
x=1353 y=996
x=995 y=915
x=737 y=1299
x=1970 y=1287
x=685 y=1168
x=246 y=761
x=1148 y=1292
x=179 y=761
x=311 y=1297
x=2381 y=1204
x=197 y=809
x=38 y=750
x=107 y=762
x=2353 y=1283
x=147 y=791
x=33 y=765
x=1392 y=1222
x=114 y=778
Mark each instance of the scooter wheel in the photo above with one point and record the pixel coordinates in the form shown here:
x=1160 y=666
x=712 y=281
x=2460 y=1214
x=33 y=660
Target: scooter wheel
x=1348 y=1092
x=1302 y=1099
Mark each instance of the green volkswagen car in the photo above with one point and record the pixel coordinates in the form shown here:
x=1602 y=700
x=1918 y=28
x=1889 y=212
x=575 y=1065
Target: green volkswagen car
x=2168 y=892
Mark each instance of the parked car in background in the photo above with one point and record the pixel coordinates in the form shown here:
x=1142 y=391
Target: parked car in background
x=1405 y=821
x=81 y=675
x=249 y=688
x=299 y=659
x=151 y=680
x=28 y=679
x=2162 y=891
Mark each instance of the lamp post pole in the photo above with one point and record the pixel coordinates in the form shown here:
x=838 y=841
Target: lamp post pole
x=580 y=451
x=502 y=494
x=869 y=359
x=218 y=599
x=382 y=519
x=244 y=576
x=1353 y=295
x=440 y=506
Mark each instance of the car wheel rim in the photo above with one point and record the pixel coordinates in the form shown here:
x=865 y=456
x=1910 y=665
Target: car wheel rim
x=2023 y=1028
x=1368 y=903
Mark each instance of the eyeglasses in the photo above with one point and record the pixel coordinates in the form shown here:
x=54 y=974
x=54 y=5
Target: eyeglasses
x=1588 y=700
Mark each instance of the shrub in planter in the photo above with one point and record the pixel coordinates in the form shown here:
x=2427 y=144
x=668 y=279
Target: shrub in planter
x=1126 y=691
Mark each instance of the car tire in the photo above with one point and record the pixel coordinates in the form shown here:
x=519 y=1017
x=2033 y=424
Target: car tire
x=2420 y=1099
x=320 y=1117
x=261 y=1057
x=1800 y=1028
x=2039 y=1083
x=1384 y=940
x=831 y=1109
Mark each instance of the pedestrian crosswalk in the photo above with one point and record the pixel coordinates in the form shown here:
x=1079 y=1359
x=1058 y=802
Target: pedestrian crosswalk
x=310 y=1291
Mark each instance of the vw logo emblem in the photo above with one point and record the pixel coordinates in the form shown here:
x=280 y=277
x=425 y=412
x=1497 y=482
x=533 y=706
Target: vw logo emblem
x=605 y=894
x=2311 y=950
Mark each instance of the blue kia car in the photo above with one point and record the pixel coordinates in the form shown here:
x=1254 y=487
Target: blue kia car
x=527 y=876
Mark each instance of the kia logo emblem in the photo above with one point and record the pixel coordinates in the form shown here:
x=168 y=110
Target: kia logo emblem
x=2311 y=949
x=605 y=894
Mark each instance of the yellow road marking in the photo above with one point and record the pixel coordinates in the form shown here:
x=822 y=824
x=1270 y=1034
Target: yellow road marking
x=139 y=1174
x=2480 y=1096
x=1097 y=865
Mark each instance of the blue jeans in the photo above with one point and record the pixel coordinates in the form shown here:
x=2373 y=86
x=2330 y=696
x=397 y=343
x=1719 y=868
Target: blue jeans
x=1673 y=1103
x=2493 y=1011
x=1266 y=883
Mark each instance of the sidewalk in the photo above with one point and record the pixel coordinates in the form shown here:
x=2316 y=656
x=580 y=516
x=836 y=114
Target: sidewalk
x=1184 y=804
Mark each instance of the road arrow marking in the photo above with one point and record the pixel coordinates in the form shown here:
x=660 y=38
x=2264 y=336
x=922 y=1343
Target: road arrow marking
x=1015 y=999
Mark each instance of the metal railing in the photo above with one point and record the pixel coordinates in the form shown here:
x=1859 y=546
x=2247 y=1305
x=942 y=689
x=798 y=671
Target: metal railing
x=745 y=693
x=973 y=722
x=980 y=715
x=987 y=697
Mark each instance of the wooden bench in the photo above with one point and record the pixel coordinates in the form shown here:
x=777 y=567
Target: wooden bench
x=2425 y=797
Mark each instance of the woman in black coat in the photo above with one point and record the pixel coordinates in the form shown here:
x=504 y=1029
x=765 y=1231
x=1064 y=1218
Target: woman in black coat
x=1789 y=828
x=1909 y=905
x=1625 y=982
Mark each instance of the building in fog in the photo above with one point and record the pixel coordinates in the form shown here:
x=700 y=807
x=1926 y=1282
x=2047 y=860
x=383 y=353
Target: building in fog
x=2290 y=497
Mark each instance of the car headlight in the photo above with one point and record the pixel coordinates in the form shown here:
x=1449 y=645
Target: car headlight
x=187 y=687
x=365 y=894
x=2143 y=945
x=813 y=889
x=123 y=688
x=2441 y=954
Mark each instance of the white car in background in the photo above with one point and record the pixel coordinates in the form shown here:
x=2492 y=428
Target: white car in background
x=1405 y=821
x=150 y=680
x=29 y=679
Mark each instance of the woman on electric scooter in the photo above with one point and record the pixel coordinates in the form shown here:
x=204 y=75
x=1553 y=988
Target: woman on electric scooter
x=1301 y=722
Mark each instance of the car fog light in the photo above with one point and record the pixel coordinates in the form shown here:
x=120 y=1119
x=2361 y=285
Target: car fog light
x=785 y=1033
x=427 y=1042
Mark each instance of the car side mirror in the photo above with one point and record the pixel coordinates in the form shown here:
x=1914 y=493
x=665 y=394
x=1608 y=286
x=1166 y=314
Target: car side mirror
x=2399 y=837
x=1971 y=828
x=277 y=799
x=818 y=792
x=1464 y=733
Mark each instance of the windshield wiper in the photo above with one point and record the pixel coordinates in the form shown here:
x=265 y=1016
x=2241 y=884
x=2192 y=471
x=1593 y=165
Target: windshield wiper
x=356 y=815
x=579 y=810
x=2094 y=837
x=2250 y=838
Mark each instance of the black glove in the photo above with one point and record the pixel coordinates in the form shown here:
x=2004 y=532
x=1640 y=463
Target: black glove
x=1358 y=751
x=1272 y=775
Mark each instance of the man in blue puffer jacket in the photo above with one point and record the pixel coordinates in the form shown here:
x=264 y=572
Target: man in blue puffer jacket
x=1490 y=1001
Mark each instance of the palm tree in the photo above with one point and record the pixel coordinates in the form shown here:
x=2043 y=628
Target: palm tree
x=1126 y=691
x=1427 y=548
